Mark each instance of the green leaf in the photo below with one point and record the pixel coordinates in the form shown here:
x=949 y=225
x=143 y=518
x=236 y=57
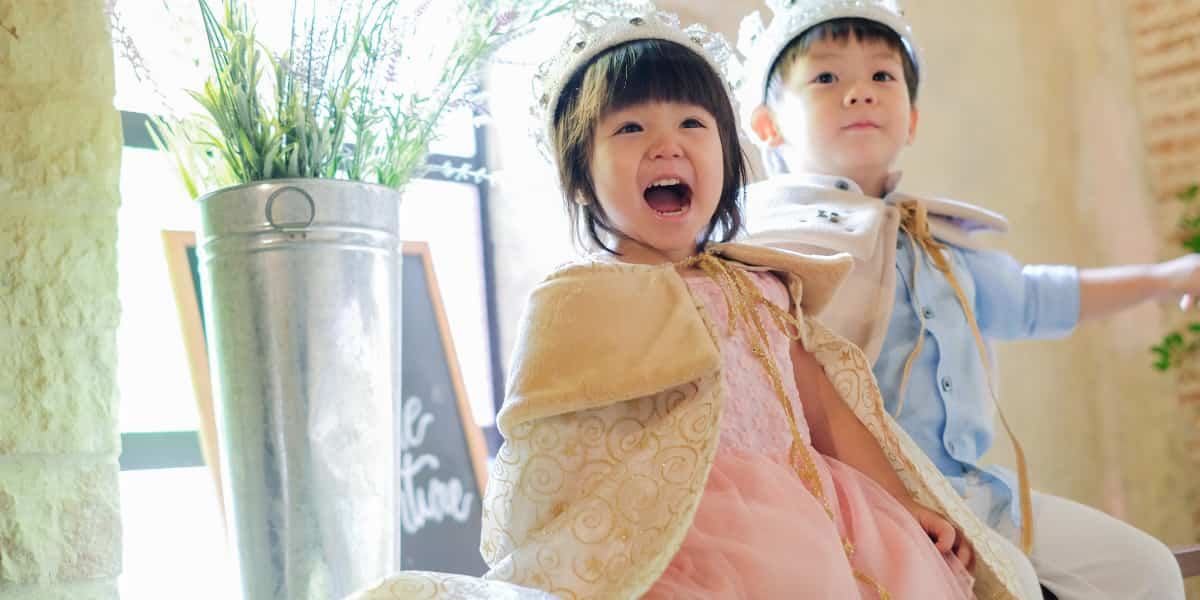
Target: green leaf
x=345 y=120
x=1190 y=193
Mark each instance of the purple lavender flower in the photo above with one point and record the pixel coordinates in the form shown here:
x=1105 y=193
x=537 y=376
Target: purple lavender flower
x=505 y=18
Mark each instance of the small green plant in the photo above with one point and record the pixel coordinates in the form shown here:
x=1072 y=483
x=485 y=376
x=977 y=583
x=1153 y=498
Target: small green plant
x=1182 y=343
x=357 y=94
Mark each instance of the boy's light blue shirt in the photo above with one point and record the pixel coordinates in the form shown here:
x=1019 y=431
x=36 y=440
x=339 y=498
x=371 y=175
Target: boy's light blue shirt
x=947 y=408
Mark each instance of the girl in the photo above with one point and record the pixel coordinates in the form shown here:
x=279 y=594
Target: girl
x=676 y=424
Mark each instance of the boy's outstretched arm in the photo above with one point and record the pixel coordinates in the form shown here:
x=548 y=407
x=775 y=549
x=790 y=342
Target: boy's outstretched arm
x=1105 y=291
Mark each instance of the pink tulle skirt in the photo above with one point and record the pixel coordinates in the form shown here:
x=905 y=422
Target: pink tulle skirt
x=759 y=533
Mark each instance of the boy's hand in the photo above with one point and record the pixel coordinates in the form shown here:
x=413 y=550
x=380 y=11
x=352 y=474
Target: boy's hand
x=1104 y=291
x=1181 y=276
x=944 y=536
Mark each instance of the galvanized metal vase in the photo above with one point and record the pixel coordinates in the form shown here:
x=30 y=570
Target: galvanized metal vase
x=301 y=293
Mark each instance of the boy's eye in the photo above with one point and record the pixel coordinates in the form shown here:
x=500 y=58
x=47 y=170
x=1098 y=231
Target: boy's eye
x=825 y=78
x=883 y=76
x=629 y=128
x=692 y=123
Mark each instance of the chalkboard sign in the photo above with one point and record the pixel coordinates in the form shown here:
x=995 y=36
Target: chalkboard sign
x=441 y=470
x=442 y=466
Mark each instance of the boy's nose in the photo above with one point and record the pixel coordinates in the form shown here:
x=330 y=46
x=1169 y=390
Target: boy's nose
x=858 y=95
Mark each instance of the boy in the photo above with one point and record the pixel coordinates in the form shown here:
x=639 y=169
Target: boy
x=830 y=94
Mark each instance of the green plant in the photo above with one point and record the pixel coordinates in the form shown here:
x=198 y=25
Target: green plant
x=343 y=100
x=1182 y=343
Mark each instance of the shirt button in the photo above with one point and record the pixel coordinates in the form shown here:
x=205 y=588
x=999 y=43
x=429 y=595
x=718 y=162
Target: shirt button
x=928 y=312
x=842 y=185
x=947 y=384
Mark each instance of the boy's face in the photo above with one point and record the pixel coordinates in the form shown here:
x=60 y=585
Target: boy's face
x=844 y=110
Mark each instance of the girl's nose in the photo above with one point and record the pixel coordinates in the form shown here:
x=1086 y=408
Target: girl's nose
x=666 y=147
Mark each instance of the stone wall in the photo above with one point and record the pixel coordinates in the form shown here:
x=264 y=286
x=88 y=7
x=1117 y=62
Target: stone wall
x=60 y=145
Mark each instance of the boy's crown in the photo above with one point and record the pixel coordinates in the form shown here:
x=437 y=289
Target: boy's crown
x=596 y=26
x=762 y=45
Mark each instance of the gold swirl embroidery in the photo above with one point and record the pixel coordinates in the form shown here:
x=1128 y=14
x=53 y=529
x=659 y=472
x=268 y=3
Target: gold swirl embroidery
x=676 y=464
x=591 y=430
x=696 y=424
x=625 y=436
x=593 y=521
x=615 y=508
x=635 y=497
x=669 y=401
x=544 y=437
x=543 y=476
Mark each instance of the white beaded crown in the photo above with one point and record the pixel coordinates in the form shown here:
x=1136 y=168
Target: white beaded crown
x=599 y=25
x=761 y=45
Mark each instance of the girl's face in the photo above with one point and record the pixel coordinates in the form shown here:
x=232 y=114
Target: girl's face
x=657 y=170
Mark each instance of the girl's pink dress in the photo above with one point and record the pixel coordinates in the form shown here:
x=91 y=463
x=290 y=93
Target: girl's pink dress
x=760 y=533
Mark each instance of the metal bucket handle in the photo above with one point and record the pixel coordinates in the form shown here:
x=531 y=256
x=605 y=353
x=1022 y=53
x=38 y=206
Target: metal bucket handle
x=312 y=209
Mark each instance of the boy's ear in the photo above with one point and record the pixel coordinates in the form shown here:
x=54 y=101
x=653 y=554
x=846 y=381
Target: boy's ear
x=912 y=124
x=764 y=127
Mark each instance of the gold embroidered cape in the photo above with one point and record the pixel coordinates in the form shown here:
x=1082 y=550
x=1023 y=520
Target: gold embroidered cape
x=612 y=422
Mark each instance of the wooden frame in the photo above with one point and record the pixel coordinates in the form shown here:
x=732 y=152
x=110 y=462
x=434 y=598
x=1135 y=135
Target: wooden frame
x=474 y=435
x=185 y=284
x=180 y=248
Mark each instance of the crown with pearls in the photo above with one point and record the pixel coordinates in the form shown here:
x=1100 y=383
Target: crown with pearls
x=599 y=25
x=761 y=45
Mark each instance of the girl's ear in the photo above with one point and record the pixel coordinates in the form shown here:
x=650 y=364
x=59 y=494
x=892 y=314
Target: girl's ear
x=763 y=125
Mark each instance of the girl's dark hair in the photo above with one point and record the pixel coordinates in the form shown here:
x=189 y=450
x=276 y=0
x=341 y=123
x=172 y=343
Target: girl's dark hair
x=623 y=76
x=864 y=30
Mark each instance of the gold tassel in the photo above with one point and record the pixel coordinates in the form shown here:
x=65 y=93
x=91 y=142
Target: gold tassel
x=914 y=222
x=742 y=297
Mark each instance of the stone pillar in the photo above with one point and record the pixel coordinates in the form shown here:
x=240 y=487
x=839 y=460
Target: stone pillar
x=60 y=149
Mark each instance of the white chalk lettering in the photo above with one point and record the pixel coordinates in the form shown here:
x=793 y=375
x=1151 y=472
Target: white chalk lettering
x=442 y=498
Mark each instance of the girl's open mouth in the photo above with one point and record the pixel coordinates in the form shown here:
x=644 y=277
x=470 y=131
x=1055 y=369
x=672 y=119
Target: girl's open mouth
x=669 y=197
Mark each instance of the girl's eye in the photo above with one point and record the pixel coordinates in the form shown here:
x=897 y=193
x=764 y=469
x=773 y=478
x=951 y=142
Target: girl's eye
x=629 y=128
x=825 y=78
x=883 y=76
x=692 y=124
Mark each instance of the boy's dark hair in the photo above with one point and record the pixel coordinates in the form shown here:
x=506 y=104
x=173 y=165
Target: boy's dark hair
x=864 y=30
x=623 y=76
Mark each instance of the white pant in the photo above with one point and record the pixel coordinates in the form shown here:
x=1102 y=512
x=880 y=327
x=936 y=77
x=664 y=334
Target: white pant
x=1080 y=553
